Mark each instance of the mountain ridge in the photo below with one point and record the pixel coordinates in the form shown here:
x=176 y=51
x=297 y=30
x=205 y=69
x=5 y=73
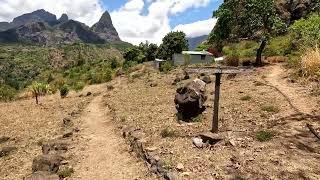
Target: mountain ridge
x=43 y=28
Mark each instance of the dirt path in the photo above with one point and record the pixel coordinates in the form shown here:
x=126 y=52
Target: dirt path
x=106 y=154
x=298 y=98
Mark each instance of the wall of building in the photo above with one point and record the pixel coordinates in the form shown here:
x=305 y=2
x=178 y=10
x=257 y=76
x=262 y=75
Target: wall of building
x=181 y=59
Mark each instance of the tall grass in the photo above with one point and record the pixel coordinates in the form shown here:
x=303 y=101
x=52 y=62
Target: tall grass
x=310 y=63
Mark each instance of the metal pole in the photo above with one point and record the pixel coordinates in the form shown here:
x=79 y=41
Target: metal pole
x=216 y=103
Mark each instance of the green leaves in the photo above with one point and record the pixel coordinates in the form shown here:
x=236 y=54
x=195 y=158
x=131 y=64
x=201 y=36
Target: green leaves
x=173 y=42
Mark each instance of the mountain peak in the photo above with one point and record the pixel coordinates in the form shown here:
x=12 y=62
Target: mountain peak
x=35 y=16
x=105 y=29
x=64 y=18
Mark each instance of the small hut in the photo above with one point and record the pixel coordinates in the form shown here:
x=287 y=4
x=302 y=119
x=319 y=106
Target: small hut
x=193 y=57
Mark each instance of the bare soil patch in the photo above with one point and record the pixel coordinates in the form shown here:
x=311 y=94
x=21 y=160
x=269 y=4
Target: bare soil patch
x=250 y=111
x=28 y=125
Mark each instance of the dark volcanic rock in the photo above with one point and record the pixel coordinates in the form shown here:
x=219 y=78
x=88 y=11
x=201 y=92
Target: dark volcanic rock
x=5 y=26
x=42 y=175
x=105 y=29
x=36 y=16
x=291 y=10
x=80 y=31
x=48 y=163
x=63 y=18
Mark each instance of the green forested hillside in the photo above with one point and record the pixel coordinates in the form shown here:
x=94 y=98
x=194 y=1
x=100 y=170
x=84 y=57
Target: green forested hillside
x=74 y=65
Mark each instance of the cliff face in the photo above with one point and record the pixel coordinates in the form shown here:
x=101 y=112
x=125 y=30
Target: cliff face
x=105 y=29
x=291 y=10
x=42 y=27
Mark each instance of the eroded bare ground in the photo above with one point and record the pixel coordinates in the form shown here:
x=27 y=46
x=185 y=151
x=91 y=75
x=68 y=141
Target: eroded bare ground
x=97 y=150
x=293 y=152
x=28 y=125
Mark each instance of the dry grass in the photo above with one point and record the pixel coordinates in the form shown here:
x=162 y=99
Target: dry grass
x=153 y=110
x=310 y=62
x=28 y=124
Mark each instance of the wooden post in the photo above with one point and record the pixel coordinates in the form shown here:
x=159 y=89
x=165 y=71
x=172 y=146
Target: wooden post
x=215 y=121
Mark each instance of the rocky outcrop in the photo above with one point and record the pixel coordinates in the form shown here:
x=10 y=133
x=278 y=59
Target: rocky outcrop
x=63 y=18
x=105 y=29
x=42 y=28
x=36 y=16
x=291 y=10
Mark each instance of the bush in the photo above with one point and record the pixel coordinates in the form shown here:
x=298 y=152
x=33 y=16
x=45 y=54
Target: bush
x=263 y=136
x=7 y=93
x=310 y=63
x=64 y=90
x=306 y=32
x=232 y=60
x=166 y=67
x=245 y=98
x=39 y=89
x=167 y=132
x=78 y=86
x=270 y=108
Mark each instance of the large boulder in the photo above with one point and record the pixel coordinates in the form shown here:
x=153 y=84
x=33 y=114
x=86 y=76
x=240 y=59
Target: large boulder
x=49 y=163
x=42 y=175
x=190 y=99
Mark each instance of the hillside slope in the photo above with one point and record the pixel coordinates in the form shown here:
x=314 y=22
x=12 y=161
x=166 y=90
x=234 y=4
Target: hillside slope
x=43 y=28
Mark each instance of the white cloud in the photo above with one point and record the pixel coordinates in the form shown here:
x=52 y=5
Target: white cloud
x=135 y=27
x=198 y=28
x=86 y=11
x=133 y=24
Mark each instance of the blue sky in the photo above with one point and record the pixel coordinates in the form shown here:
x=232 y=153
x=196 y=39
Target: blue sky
x=135 y=20
x=192 y=15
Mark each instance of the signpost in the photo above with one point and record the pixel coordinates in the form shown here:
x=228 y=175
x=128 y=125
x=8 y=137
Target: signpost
x=218 y=71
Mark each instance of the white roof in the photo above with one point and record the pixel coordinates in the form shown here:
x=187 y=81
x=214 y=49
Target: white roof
x=160 y=60
x=197 y=53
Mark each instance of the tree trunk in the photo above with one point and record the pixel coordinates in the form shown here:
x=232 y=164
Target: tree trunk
x=259 y=52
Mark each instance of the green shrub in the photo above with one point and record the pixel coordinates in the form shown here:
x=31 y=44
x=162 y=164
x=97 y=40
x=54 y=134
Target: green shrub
x=270 y=108
x=7 y=93
x=245 y=98
x=39 y=89
x=167 y=132
x=263 y=136
x=306 y=32
x=279 y=46
x=64 y=90
x=78 y=86
x=65 y=172
x=166 y=67
x=199 y=118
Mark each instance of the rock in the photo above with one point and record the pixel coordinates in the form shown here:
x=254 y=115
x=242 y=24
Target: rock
x=49 y=162
x=105 y=29
x=176 y=80
x=190 y=99
x=171 y=176
x=6 y=151
x=4 y=139
x=67 y=135
x=210 y=138
x=151 y=149
x=89 y=93
x=206 y=79
x=54 y=145
x=110 y=87
x=198 y=142
x=186 y=75
x=180 y=167
x=42 y=175
x=67 y=121
x=153 y=84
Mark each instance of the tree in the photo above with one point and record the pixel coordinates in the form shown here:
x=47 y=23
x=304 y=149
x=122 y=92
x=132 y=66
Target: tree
x=39 y=89
x=173 y=42
x=254 y=19
x=133 y=54
x=149 y=51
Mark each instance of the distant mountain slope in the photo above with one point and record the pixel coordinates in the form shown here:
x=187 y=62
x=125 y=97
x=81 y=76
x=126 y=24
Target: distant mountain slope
x=43 y=28
x=194 y=42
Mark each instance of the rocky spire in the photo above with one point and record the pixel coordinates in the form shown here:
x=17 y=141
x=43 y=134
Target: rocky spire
x=105 y=29
x=63 y=18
